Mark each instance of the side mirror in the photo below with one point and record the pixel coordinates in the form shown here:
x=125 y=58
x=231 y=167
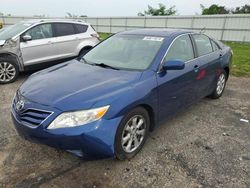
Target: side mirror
x=173 y=65
x=26 y=38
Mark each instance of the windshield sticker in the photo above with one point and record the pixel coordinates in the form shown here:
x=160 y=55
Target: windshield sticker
x=158 y=39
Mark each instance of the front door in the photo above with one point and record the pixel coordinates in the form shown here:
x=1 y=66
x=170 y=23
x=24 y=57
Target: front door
x=41 y=46
x=176 y=88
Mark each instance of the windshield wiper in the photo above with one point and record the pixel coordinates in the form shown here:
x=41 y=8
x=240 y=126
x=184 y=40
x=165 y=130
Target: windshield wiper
x=82 y=59
x=98 y=64
x=105 y=66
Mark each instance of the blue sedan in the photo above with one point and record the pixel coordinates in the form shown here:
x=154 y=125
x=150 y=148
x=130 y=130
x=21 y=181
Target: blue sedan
x=105 y=103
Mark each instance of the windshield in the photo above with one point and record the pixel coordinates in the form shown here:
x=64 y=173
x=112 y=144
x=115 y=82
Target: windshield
x=131 y=52
x=13 y=30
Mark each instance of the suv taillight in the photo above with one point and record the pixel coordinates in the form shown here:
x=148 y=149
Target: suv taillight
x=95 y=35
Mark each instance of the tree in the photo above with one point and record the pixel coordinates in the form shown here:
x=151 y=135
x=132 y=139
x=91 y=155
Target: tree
x=71 y=15
x=242 y=10
x=214 y=9
x=161 y=11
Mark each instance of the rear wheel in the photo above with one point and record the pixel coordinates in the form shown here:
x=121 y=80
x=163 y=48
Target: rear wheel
x=220 y=85
x=8 y=70
x=132 y=133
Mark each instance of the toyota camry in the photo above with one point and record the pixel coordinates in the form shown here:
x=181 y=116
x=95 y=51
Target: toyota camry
x=106 y=103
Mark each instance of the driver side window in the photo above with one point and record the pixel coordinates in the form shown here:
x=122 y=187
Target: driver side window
x=40 y=32
x=181 y=50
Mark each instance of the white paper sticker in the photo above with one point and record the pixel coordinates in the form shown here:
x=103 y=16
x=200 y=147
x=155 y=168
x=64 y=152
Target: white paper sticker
x=158 y=39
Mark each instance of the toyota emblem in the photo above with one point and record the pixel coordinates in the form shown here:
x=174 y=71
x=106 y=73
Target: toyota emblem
x=19 y=105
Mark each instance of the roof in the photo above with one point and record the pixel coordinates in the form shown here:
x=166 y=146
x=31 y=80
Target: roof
x=164 y=32
x=35 y=21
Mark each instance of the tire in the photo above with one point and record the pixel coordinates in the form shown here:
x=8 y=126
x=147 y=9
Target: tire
x=9 y=70
x=220 y=85
x=128 y=132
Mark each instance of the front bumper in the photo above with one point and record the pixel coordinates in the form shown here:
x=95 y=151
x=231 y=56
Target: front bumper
x=93 y=140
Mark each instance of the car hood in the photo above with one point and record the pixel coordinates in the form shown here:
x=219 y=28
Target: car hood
x=74 y=85
x=2 y=42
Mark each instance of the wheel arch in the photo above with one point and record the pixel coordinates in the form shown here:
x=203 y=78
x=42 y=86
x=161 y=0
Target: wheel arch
x=14 y=57
x=88 y=47
x=227 y=70
x=151 y=114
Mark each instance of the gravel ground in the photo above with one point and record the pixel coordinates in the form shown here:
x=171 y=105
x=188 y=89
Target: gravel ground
x=205 y=146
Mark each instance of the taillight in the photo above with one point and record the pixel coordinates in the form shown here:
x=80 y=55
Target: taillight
x=95 y=35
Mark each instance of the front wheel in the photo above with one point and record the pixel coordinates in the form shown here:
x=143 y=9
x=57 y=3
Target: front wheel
x=220 y=86
x=8 y=70
x=132 y=133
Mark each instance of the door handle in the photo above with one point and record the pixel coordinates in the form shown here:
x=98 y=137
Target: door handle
x=49 y=42
x=196 y=68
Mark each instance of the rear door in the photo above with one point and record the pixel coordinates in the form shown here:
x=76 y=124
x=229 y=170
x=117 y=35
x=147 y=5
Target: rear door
x=41 y=48
x=209 y=63
x=66 y=39
x=176 y=88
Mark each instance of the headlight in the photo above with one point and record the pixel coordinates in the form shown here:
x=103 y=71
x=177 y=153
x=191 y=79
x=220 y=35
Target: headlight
x=78 y=118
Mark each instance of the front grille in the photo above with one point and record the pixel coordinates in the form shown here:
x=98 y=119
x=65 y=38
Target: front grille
x=27 y=115
x=33 y=117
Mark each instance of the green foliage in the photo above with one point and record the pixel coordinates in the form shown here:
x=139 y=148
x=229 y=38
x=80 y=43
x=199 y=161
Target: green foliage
x=160 y=11
x=104 y=36
x=241 y=58
x=214 y=9
x=242 y=10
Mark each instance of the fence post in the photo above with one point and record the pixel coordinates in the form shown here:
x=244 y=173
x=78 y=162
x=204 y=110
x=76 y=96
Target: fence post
x=192 y=23
x=145 y=21
x=166 y=21
x=126 y=23
x=97 y=24
x=223 y=28
x=110 y=28
x=3 y=20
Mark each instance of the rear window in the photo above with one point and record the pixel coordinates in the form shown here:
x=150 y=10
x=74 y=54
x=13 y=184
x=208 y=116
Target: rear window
x=63 y=29
x=80 y=28
x=215 y=46
x=203 y=44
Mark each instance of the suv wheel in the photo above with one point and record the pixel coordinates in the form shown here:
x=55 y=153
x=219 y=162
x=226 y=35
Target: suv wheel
x=8 y=70
x=132 y=133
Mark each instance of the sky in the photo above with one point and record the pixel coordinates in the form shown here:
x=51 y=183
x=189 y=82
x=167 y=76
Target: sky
x=100 y=8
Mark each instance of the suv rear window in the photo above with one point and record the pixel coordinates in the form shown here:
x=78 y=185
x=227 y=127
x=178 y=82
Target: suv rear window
x=63 y=29
x=80 y=28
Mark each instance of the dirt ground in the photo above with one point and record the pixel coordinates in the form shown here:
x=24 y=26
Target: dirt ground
x=205 y=146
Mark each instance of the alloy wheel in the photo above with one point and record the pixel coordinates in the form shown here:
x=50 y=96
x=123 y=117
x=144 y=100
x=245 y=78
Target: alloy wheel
x=133 y=133
x=7 y=72
x=220 y=84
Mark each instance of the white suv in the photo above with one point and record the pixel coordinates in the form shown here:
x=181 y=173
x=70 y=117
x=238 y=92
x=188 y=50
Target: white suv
x=34 y=42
